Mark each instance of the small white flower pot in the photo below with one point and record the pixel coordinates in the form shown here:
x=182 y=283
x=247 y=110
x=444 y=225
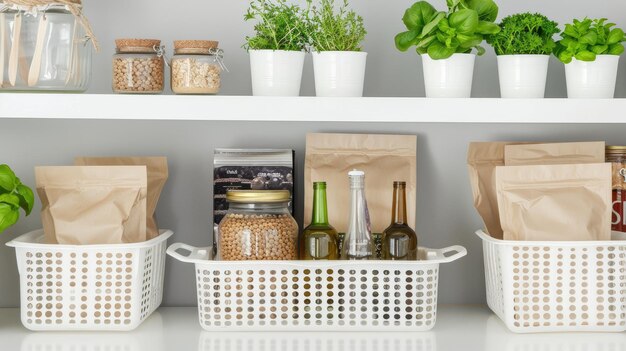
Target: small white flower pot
x=449 y=78
x=339 y=73
x=523 y=76
x=276 y=72
x=592 y=80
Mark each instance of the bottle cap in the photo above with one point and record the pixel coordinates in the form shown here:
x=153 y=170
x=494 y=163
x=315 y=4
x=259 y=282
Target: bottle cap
x=356 y=173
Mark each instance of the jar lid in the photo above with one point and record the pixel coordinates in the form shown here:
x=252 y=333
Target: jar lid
x=135 y=44
x=194 y=46
x=616 y=149
x=257 y=196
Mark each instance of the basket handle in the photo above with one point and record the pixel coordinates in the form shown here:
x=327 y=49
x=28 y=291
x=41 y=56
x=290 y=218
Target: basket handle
x=195 y=253
x=460 y=251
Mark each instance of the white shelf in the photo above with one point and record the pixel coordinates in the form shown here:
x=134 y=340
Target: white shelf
x=301 y=109
x=472 y=328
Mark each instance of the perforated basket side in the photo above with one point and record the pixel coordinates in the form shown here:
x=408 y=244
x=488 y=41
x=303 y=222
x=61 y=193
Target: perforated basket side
x=493 y=278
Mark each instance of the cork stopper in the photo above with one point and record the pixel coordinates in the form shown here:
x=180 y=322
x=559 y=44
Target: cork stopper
x=195 y=44
x=130 y=44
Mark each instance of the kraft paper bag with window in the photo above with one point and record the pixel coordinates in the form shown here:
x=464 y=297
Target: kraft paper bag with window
x=83 y=205
x=383 y=158
x=555 y=202
x=554 y=153
x=482 y=160
x=157 y=176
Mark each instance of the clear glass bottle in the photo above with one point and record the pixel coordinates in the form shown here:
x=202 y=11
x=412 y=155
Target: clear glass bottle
x=43 y=48
x=358 y=243
x=258 y=226
x=196 y=67
x=138 y=66
x=399 y=241
x=319 y=238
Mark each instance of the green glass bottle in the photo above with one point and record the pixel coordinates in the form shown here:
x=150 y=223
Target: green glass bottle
x=399 y=240
x=319 y=238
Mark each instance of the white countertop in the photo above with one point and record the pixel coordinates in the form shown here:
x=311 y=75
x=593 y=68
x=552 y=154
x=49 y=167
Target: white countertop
x=458 y=328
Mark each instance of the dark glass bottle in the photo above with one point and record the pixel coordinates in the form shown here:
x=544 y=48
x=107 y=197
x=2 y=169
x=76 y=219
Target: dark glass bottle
x=399 y=240
x=319 y=238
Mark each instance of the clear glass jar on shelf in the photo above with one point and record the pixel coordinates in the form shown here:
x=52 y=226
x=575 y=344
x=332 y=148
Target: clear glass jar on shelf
x=138 y=66
x=196 y=67
x=258 y=226
x=44 y=47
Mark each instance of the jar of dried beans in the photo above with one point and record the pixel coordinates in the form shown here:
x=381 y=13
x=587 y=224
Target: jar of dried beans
x=196 y=67
x=258 y=226
x=138 y=66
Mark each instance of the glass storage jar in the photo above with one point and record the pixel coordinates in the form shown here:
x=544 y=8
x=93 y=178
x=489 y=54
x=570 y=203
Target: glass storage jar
x=258 y=226
x=196 y=67
x=43 y=48
x=138 y=66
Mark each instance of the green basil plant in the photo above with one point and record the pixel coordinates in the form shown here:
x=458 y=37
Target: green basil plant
x=13 y=196
x=585 y=39
x=441 y=34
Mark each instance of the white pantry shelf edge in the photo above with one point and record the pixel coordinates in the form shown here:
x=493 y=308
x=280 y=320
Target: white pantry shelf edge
x=310 y=109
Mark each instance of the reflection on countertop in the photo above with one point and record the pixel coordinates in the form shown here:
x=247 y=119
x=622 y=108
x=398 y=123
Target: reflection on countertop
x=459 y=327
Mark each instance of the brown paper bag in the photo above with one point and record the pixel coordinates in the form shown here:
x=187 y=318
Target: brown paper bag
x=482 y=160
x=555 y=202
x=93 y=204
x=383 y=158
x=157 y=176
x=554 y=153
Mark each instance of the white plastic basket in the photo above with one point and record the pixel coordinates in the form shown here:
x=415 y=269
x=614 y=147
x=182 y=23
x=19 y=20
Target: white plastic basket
x=557 y=286
x=89 y=287
x=326 y=295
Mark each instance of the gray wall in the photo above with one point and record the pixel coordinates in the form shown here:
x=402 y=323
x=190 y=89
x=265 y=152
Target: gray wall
x=444 y=211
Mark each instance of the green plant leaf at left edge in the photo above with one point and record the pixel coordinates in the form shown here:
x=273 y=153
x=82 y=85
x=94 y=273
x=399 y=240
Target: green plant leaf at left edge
x=464 y=21
x=416 y=16
x=26 y=197
x=407 y=39
x=8 y=180
x=9 y=215
x=487 y=9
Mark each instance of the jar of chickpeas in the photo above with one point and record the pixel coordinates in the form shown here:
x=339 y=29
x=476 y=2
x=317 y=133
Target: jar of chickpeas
x=138 y=66
x=196 y=67
x=258 y=226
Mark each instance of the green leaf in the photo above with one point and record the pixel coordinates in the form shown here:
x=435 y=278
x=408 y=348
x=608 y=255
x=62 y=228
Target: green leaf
x=480 y=50
x=469 y=41
x=616 y=49
x=615 y=36
x=585 y=56
x=438 y=51
x=416 y=16
x=566 y=56
x=426 y=41
x=487 y=9
x=8 y=216
x=487 y=28
x=26 y=197
x=405 y=40
x=589 y=38
x=599 y=49
x=10 y=199
x=464 y=21
x=430 y=26
x=571 y=31
x=8 y=180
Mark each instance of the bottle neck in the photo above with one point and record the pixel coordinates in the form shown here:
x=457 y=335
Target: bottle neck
x=398 y=212
x=320 y=207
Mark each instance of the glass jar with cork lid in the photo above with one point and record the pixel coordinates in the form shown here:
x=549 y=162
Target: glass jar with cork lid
x=258 y=226
x=138 y=66
x=196 y=67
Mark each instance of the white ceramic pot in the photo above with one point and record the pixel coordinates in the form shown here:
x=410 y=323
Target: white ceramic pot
x=449 y=78
x=592 y=80
x=523 y=76
x=276 y=72
x=339 y=73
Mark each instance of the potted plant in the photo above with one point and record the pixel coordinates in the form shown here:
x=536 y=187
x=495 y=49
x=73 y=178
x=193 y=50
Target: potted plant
x=523 y=47
x=277 y=47
x=445 y=40
x=590 y=50
x=338 y=62
x=13 y=196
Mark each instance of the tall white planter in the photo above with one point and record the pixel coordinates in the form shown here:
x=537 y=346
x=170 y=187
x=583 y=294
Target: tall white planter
x=523 y=76
x=276 y=72
x=339 y=73
x=593 y=80
x=449 y=78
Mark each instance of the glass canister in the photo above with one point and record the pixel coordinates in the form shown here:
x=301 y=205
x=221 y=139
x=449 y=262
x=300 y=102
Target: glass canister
x=258 y=226
x=138 y=66
x=44 y=47
x=616 y=155
x=196 y=67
